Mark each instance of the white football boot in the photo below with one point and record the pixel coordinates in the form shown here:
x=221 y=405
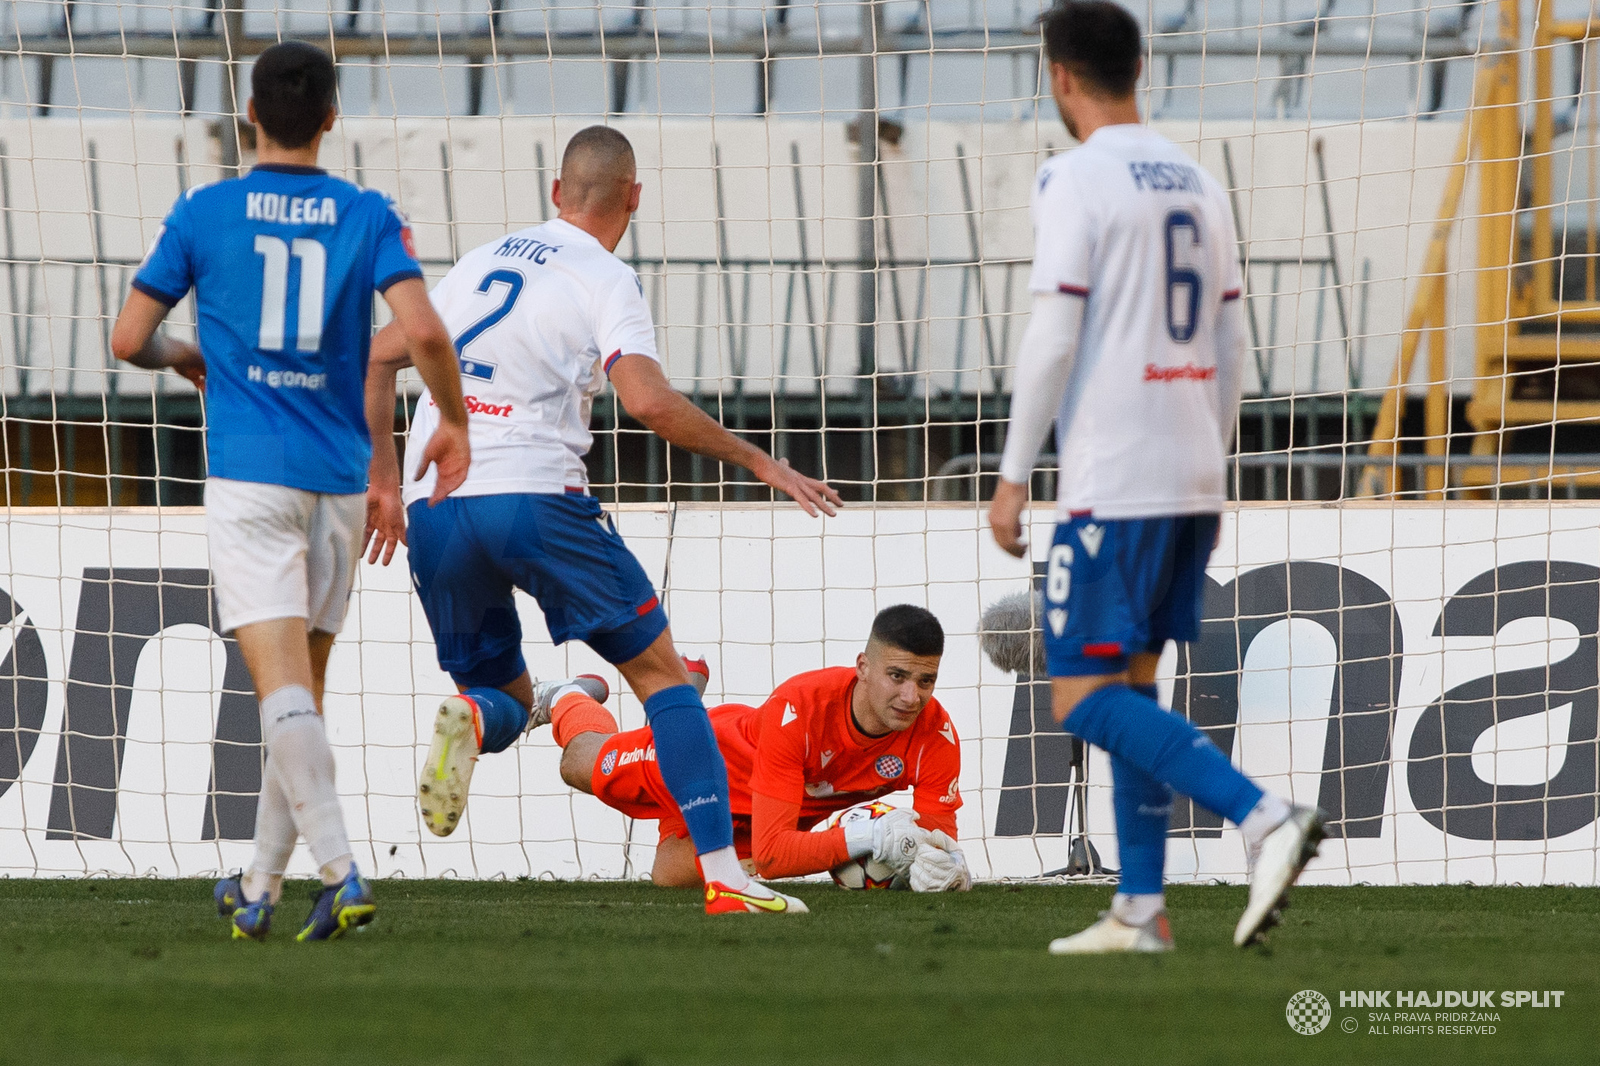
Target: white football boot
x=447 y=773
x=1110 y=936
x=458 y=741
x=1274 y=867
x=544 y=695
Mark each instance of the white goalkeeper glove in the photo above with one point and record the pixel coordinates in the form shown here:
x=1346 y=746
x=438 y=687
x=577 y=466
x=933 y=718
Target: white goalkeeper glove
x=940 y=865
x=892 y=840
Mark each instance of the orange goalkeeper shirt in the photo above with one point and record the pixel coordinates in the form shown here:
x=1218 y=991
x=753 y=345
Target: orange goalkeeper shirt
x=800 y=756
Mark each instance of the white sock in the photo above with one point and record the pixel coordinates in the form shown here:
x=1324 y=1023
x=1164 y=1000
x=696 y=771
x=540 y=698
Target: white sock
x=297 y=738
x=1268 y=813
x=566 y=690
x=1137 y=909
x=275 y=838
x=723 y=865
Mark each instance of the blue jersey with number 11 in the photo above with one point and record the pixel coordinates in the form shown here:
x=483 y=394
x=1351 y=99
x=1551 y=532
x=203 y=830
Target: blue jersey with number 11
x=284 y=263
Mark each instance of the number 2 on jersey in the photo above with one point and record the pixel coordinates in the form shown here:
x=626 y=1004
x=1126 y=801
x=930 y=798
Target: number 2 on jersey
x=513 y=281
x=1183 y=282
x=275 y=291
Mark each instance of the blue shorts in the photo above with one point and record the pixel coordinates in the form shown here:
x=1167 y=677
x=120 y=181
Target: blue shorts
x=1117 y=588
x=469 y=552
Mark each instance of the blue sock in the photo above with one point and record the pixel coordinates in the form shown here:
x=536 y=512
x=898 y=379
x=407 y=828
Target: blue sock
x=503 y=718
x=1164 y=745
x=691 y=766
x=1144 y=808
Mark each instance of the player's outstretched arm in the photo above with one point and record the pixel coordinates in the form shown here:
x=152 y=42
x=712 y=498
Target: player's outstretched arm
x=134 y=340
x=648 y=396
x=781 y=848
x=386 y=516
x=434 y=355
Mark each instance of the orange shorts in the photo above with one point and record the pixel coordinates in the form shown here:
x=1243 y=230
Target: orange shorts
x=625 y=778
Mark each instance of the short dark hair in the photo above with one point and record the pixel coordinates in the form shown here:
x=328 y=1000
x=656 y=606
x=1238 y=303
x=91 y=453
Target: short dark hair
x=292 y=85
x=609 y=144
x=596 y=167
x=1095 y=39
x=909 y=628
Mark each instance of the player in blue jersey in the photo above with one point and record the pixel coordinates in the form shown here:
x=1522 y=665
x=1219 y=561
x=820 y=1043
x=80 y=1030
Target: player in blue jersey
x=284 y=263
x=1134 y=351
x=542 y=318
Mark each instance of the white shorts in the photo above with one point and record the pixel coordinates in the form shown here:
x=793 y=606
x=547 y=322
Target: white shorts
x=278 y=552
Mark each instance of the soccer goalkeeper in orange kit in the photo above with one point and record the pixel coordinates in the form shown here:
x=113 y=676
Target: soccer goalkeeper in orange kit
x=823 y=741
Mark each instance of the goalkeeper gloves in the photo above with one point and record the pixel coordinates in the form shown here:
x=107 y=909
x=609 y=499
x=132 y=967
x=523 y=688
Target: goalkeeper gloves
x=892 y=839
x=940 y=865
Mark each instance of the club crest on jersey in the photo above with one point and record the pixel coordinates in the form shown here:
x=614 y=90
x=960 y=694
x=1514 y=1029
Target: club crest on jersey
x=1091 y=537
x=889 y=767
x=609 y=763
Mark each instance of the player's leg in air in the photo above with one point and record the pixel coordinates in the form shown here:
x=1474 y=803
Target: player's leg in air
x=619 y=768
x=466 y=555
x=524 y=517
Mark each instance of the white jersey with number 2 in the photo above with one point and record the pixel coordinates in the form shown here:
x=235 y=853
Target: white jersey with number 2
x=1134 y=227
x=538 y=317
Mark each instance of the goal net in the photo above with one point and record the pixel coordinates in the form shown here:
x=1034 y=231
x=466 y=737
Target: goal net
x=834 y=238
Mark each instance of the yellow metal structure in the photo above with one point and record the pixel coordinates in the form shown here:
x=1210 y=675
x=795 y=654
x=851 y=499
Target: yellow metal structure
x=1529 y=327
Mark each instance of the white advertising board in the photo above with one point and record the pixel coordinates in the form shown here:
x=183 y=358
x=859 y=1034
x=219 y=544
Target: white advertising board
x=1426 y=673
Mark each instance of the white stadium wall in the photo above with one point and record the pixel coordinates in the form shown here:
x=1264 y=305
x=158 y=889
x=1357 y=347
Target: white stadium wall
x=123 y=715
x=94 y=191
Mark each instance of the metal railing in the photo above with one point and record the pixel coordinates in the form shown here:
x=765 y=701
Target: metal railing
x=1533 y=476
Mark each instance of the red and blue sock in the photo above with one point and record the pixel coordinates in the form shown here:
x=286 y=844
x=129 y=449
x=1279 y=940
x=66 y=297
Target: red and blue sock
x=503 y=719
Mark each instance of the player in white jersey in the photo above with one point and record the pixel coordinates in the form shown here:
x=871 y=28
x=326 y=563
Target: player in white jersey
x=541 y=318
x=1134 y=351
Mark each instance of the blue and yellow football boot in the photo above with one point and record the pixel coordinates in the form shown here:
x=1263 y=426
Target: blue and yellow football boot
x=338 y=907
x=251 y=921
x=229 y=895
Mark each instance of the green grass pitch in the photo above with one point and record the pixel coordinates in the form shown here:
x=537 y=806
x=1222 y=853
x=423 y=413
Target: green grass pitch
x=142 y=971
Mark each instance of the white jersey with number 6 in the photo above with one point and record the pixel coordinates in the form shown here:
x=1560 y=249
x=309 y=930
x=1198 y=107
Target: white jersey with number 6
x=538 y=318
x=1133 y=226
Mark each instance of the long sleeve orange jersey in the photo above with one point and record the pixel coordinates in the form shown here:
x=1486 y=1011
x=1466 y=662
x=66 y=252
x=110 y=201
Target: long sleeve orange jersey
x=800 y=756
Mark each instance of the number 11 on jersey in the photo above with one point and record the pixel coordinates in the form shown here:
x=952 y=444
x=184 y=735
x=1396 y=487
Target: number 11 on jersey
x=275 y=253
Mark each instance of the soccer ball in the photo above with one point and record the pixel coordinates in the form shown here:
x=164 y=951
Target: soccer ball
x=860 y=873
